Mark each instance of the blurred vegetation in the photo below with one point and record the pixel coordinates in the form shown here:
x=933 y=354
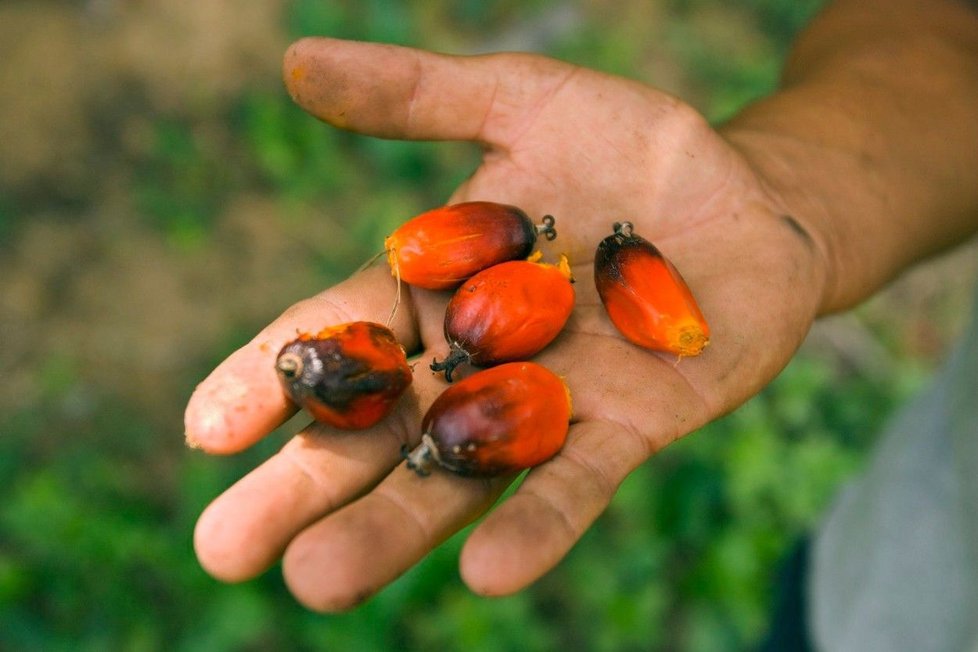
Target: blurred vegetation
x=99 y=498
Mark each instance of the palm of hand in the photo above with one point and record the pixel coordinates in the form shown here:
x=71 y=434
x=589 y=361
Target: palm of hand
x=591 y=150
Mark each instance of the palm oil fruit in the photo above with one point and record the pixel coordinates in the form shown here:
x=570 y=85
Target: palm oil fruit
x=441 y=248
x=507 y=312
x=645 y=297
x=500 y=420
x=348 y=376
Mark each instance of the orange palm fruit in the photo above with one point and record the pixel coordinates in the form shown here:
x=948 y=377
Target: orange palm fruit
x=348 y=376
x=441 y=248
x=500 y=420
x=645 y=297
x=507 y=312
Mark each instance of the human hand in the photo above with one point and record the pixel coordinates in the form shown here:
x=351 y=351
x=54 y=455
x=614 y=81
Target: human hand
x=339 y=507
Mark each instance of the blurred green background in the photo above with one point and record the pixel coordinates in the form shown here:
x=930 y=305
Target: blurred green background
x=161 y=200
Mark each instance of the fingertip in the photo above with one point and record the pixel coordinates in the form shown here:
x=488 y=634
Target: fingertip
x=234 y=408
x=245 y=530
x=481 y=572
x=295 y=64
x=317 y=586
x=205 y=428
x=485 y=576
x=498 y=561
x=218 y=559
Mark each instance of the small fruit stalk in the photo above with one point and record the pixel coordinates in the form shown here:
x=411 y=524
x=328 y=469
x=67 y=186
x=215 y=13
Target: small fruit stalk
x=441 y=248
x=501 y=420
x=508 y=312
x=348 y=376
x=645 y=297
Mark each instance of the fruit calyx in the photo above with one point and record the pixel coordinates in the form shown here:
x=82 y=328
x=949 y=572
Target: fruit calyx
x=421 y=459
x=456 y=356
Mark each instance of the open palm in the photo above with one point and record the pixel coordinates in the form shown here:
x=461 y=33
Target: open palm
x=590 y=149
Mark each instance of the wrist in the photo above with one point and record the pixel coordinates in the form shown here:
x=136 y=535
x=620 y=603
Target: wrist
x=858 y=148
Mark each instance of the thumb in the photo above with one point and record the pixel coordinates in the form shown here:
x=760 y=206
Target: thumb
x=397 y=92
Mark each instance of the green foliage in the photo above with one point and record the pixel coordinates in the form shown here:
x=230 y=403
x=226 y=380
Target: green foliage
x=737 y=54
x=181 y=183
x=780 y=20
x=294 y=155
x=95 y=549
x=7 y=221
x=371 y=20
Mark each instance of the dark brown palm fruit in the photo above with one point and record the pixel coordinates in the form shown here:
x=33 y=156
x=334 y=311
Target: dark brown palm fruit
x=500 y=420
x=348 y=376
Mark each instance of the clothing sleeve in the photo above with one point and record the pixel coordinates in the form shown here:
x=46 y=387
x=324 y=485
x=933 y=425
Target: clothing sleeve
x=895 y=565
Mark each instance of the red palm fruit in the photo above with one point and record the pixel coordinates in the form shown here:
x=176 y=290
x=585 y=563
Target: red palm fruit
x=645 y=297
x=348 y=376
x=441 y=248
x=507 y=312
x=496 y=421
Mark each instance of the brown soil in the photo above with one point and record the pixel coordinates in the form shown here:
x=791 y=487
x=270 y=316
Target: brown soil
x=88 y=289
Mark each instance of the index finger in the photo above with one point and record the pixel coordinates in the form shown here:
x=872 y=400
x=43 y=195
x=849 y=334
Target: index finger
x=242 y=400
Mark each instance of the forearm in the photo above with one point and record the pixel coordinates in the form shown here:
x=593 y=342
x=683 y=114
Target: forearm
x=872 y=141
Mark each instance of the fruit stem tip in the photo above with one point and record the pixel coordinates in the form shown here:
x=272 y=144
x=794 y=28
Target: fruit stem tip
x=547 y=229
x=421 y=459
x=456 y=356
x=289 y=365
